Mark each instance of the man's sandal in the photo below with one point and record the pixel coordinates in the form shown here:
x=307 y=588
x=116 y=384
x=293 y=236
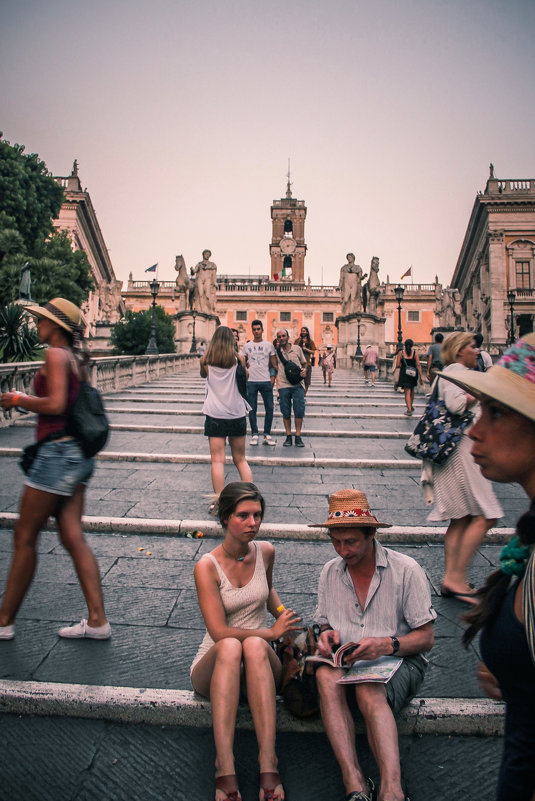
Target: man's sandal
x=268 y=784
x=358 y=795
x=229 y=785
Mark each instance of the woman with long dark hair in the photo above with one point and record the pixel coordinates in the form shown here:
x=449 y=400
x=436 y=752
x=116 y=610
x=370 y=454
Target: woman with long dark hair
x=225 y=408
x=503 y=445
x=308 y=346
x=234 y=588
x=410 y=372
x=55 y=485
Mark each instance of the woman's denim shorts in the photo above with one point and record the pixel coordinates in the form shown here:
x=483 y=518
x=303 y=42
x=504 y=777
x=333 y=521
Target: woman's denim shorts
x=59 y=467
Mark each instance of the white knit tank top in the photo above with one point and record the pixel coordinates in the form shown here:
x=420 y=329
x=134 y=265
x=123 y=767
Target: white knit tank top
x=245 y=607
x=223 y=400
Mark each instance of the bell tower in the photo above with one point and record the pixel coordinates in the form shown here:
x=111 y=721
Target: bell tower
x=288 y=248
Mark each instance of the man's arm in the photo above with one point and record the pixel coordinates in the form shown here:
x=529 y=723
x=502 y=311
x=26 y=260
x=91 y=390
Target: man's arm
x=415 y=642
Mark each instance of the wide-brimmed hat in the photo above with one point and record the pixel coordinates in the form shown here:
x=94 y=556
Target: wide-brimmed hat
x=350 y=508
x=63 y=313
x=511 y=381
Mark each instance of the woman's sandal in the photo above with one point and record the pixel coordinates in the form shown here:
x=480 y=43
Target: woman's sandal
x=229 y=785
x=268 y=783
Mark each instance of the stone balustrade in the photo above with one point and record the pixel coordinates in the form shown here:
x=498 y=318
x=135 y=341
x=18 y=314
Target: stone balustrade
x=108 y=374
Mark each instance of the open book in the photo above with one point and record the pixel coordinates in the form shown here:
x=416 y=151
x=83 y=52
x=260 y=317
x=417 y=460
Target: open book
x=363 y=670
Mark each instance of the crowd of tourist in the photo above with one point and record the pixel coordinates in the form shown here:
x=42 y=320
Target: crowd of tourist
x=373 y=600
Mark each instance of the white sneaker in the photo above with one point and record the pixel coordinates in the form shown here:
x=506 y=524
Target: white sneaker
x=7 y=632
x=82 y=630
x=254 y=440
x=268 y=440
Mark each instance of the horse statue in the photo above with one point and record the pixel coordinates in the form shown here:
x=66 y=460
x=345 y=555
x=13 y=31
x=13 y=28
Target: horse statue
x=372 y=291
x=182 y=280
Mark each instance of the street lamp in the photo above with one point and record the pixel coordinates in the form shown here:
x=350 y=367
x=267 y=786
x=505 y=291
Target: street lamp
x=152 y=347
x=398 y=291
x=358 y=351
x=511 y=297
x=193 y=348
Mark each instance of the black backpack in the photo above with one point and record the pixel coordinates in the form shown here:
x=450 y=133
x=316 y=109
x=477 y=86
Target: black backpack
x=87 y=421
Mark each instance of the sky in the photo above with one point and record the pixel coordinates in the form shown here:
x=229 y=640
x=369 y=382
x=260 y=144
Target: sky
x=183 y=114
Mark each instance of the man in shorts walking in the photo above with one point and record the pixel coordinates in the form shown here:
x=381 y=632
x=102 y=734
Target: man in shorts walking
x=291 y=394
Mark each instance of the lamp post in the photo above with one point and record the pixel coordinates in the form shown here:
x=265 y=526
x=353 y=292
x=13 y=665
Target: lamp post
x=193 y=348
x=398 y=291
x=358 y=351
x=511 y=297
x=152 y=347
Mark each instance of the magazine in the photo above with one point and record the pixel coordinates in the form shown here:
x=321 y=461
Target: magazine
x=378 y=670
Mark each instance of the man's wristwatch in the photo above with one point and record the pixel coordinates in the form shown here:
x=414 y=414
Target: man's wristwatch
x=395 y=645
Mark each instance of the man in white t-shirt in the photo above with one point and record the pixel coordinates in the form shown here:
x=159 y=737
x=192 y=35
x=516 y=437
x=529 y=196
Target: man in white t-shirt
x=260 y=355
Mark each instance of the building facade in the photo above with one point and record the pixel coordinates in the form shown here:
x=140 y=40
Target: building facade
x=498 y=257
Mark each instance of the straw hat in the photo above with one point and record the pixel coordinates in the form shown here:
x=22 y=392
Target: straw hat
x=511 y=381
x=63 y=313
x=349 y=508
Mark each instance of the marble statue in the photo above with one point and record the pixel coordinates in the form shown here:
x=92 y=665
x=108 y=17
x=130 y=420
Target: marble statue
x=109 y=301
x=351 y=278
x=25 y=282
x=205 y=284
x=182 y=284
x=450 y=311
x=372 y=291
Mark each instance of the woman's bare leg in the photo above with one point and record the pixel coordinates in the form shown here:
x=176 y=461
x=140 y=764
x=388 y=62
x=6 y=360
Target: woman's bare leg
x=217 y=676
x=217 y=454
x=72 y=538
x=262 y=672
x=36 y=507
x=237 y=449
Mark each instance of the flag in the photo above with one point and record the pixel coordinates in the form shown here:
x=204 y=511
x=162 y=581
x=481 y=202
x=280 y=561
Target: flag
x=152 y=269
x=275 y=276
x=407 y=274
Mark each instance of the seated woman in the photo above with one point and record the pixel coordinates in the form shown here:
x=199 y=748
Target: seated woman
x=503 y=445
x=234 y=588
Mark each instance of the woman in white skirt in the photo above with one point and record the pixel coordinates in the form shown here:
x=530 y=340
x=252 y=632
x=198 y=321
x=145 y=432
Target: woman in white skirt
x=462 y=495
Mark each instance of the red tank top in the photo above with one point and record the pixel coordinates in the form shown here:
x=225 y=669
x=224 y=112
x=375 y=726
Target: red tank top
x=50 y=423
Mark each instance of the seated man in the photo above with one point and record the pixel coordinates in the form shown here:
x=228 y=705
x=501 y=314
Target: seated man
x=380 y=599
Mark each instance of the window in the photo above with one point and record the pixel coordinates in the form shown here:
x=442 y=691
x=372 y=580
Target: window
x=328 y=317
x=523 y=278
x=285 y=317
x=241 y=315
x=288 y=227
x=413 y=316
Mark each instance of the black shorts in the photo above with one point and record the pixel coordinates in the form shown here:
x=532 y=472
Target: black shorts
x=215 y=427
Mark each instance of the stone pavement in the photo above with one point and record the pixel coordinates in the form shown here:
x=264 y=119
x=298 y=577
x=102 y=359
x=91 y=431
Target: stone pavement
x=151 y=603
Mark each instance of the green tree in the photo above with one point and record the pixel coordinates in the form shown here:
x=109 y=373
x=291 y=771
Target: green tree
x=30 y=199
x=131 y=335
x=18 y=341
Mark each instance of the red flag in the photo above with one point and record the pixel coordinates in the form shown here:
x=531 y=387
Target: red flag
x=276 y=277
x=407 y=274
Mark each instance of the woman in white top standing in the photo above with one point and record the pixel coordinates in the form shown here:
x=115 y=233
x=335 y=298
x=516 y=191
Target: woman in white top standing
x=225 y=408
x=234 y=588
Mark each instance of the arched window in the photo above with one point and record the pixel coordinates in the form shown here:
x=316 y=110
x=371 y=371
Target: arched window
x=288 y=226
x=287 y=263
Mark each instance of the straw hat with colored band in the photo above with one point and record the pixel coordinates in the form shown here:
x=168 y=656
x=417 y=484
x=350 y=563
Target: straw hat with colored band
x=63 y=313
x=511 y=381
x=349 y=509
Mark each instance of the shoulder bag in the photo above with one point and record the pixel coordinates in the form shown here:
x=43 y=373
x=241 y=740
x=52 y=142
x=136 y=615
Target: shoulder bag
x=292 y=371
x=241 y=379
x=438 y=431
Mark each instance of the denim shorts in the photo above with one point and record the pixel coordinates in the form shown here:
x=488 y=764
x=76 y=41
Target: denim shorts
x=289 y=395
x=59 y=467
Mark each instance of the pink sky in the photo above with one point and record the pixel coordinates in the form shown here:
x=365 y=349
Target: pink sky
x=183 y=113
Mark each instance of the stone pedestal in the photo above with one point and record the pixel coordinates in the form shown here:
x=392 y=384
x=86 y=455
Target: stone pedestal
x=372 y=332
x=205 y=325
x=99 y=343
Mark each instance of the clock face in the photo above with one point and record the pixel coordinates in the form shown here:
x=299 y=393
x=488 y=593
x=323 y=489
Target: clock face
x=287 y=245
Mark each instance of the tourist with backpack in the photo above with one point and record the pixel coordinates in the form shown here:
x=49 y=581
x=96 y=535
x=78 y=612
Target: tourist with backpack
x=58 y=467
